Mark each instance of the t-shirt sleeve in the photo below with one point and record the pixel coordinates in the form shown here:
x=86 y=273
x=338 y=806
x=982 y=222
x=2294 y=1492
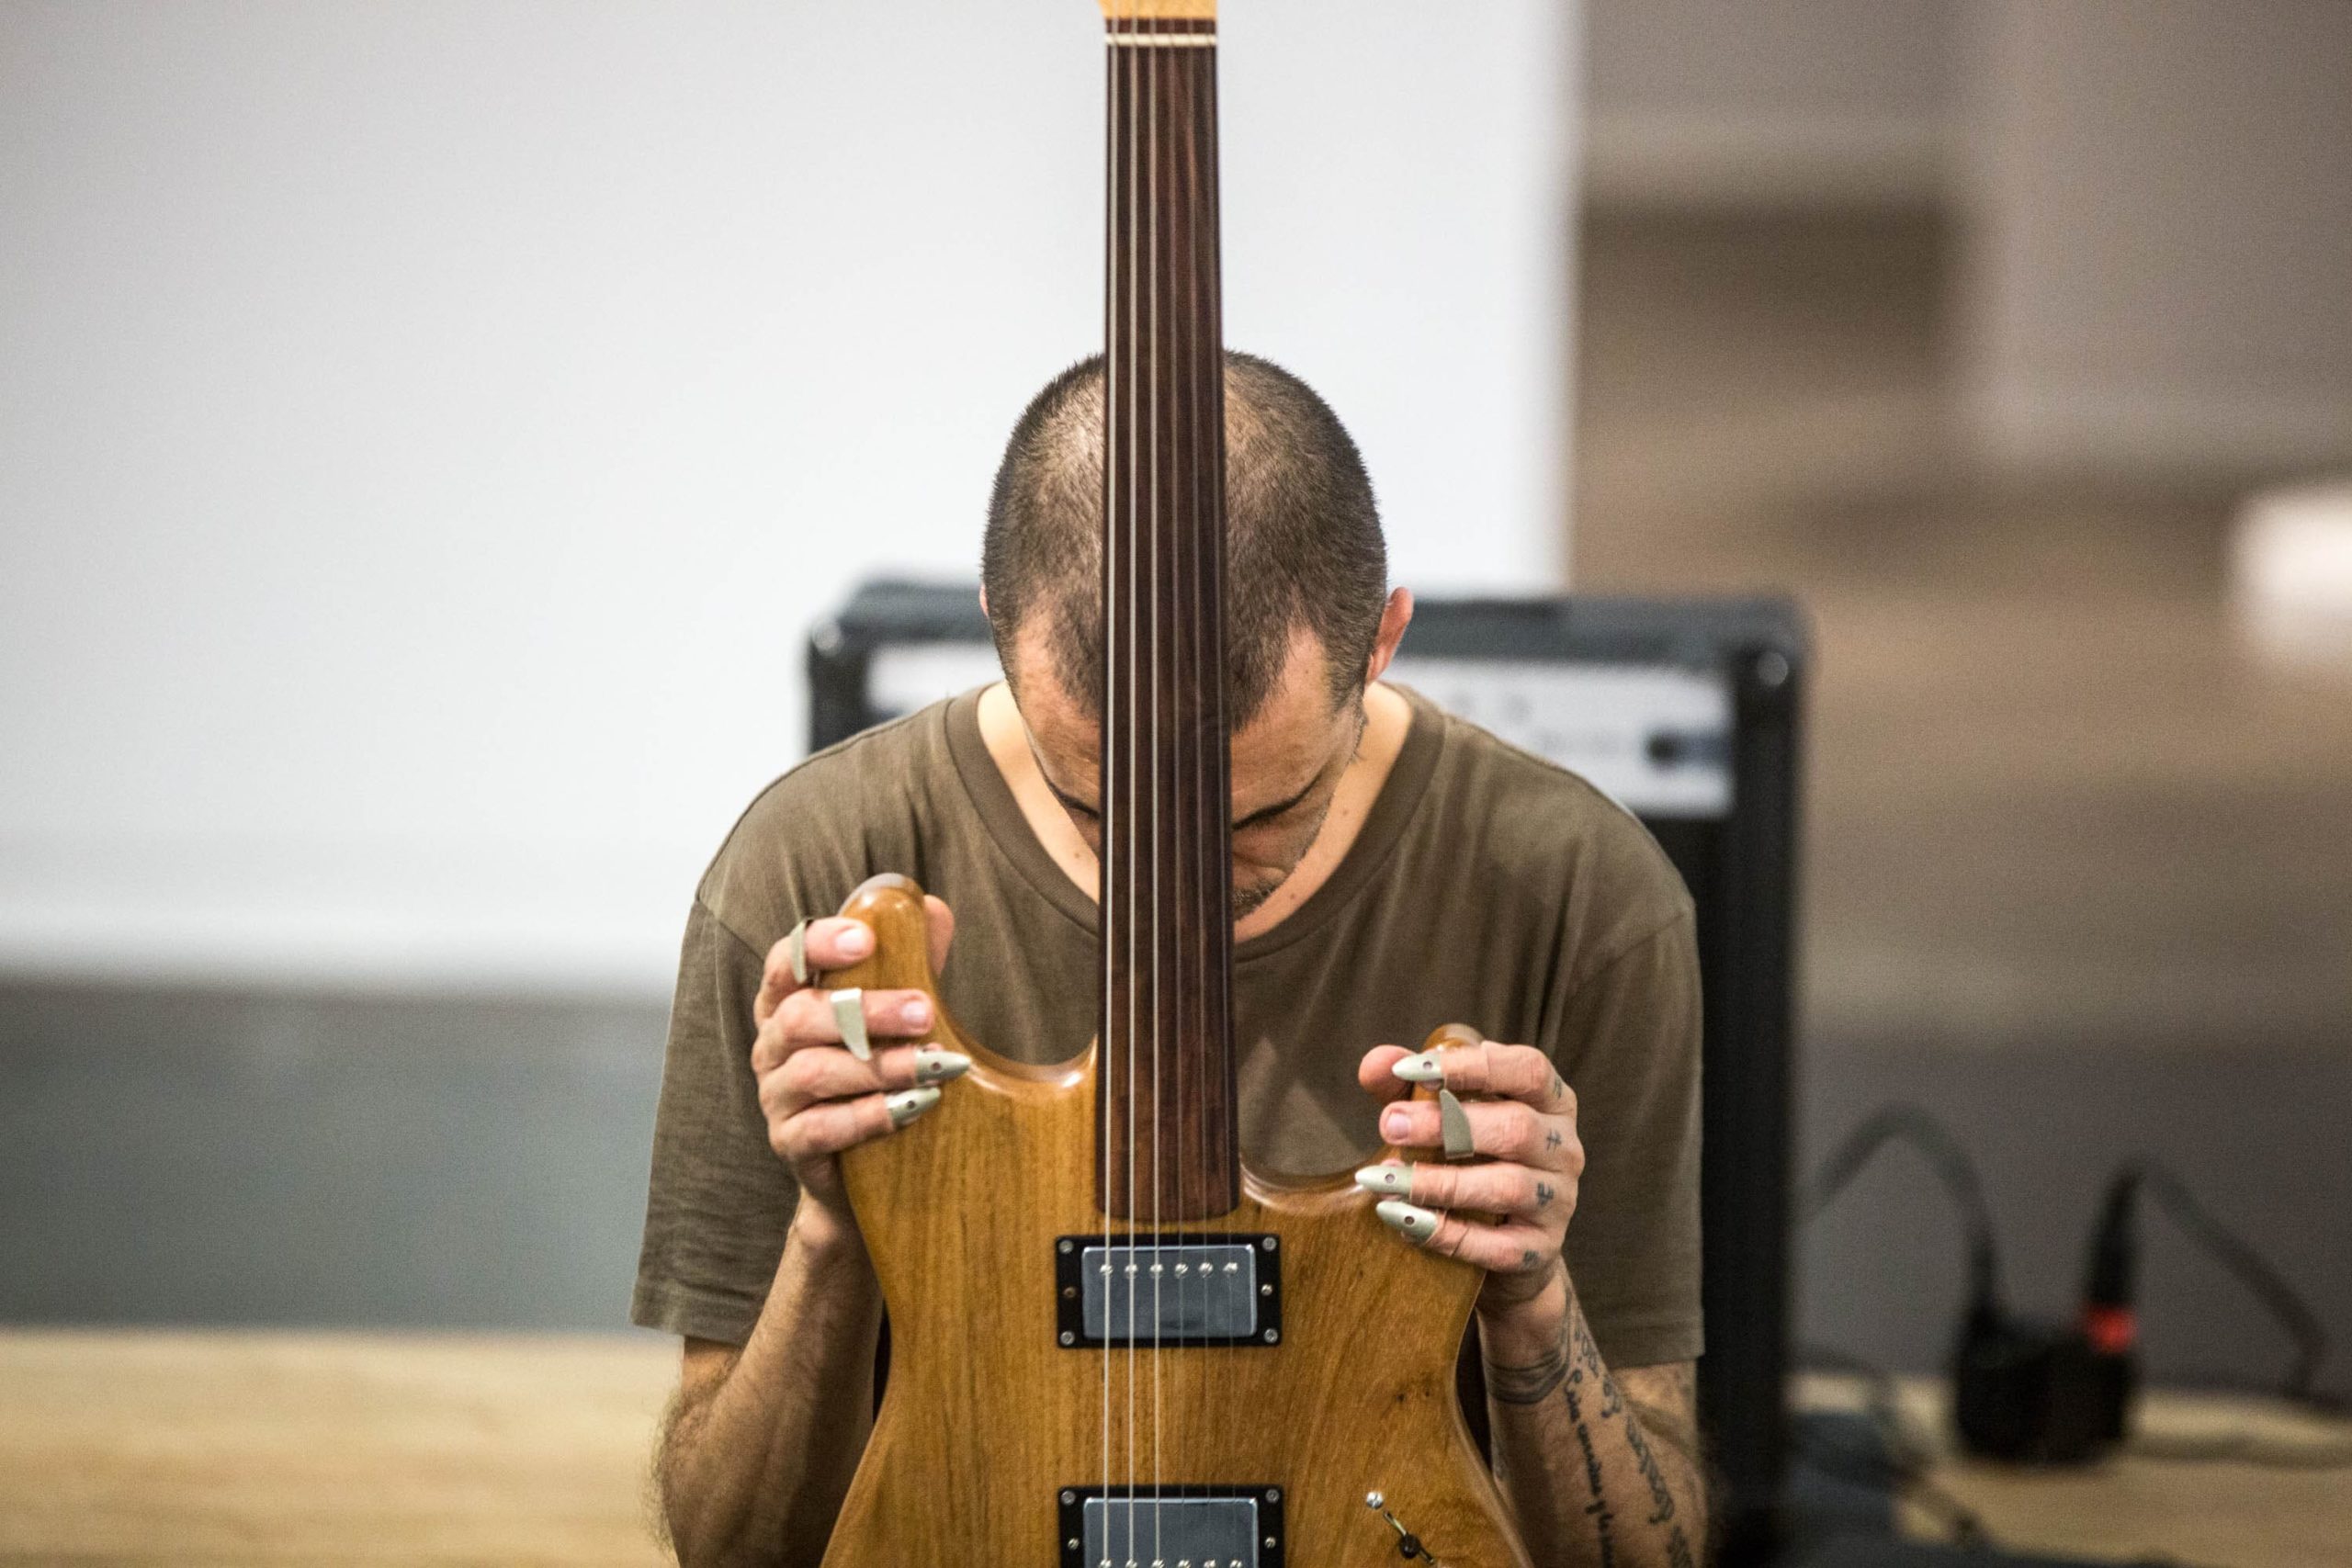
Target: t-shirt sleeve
x=1628 y=1045
x=719 y=1200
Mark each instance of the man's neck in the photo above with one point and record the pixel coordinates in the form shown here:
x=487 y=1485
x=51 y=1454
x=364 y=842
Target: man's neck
x=1387 y=718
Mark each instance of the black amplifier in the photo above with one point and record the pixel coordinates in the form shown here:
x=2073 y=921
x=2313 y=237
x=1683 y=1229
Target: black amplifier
x=1687 y=712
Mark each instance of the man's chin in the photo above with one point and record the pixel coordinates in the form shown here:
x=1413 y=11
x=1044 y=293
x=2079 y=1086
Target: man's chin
x=1246 y=899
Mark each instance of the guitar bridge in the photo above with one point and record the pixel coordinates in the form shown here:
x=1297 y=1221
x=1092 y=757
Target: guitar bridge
x=1168 y=1291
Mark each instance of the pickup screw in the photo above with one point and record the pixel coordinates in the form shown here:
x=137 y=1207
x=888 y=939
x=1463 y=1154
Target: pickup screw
x=1068 y=1338
x=1371 y=1499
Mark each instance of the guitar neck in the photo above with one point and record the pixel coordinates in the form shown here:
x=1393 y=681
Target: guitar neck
x=1169 y=1128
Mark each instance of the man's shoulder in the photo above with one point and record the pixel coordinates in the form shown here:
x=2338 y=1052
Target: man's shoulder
x=811 y=829
x=1544 y=835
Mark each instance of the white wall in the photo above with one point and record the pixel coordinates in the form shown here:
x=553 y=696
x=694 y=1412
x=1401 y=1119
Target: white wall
x=427 y=431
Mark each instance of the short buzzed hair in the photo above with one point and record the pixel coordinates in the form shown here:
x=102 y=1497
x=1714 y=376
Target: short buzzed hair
x=1302 y=542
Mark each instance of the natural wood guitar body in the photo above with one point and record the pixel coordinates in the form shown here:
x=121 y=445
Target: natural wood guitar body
x=986 y=1418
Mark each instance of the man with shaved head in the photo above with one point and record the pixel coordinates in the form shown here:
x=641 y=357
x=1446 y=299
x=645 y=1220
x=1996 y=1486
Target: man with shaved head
x=1394 y=868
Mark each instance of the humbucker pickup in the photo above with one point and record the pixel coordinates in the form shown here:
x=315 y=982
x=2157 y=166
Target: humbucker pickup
x=1202 y=1527
x=1168 y=1289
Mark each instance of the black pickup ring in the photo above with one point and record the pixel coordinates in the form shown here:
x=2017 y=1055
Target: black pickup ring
x=1211 y=1527
x=1168 y=1289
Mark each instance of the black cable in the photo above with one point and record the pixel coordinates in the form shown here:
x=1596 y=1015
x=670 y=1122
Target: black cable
x=1925 y=1135
x=2249 y=1269
x=1902 y=1472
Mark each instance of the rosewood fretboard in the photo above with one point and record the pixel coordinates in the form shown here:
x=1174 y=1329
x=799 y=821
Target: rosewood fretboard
x=1167 y=1128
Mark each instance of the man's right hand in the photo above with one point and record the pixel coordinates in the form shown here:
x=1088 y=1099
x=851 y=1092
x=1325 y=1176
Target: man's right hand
x=820 y=1099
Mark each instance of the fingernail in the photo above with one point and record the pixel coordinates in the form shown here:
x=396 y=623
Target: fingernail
x=1423 y=1068
x=907 y=1104
x=1385 y=1178
x=935 y=1066
x=1419 y=1224
x=1395 y=1122
x=856 y=940
x=917 y=1013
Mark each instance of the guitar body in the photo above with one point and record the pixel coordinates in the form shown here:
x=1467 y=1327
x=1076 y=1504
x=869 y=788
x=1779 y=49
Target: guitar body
x=987 y=1418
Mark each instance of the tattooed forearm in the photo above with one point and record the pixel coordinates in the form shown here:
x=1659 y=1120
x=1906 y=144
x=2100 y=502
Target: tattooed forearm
x=1673 y=1431
x=1661 y=1499
x=1536 y=1381
x=1599 y=1469
x=1598 y=1509
x=1587 y=1361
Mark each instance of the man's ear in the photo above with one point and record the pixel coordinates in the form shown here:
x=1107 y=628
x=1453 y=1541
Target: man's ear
x=984 y=607
x=1394 y=616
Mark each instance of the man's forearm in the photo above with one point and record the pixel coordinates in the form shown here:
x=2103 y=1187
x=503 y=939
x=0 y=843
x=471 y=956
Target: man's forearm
x=757 y=1458
x=1594 y=1479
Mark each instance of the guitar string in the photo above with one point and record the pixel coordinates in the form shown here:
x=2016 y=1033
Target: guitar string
x=1138 y=378
x=1217 y=799
x=1114 y=388
x=1188 y=806
x=1191 y=629
x=1181 y=625
x=1158 y=524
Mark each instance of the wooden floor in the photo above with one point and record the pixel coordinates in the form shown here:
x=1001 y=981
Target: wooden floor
x=195 y=1449
x=128 y=1449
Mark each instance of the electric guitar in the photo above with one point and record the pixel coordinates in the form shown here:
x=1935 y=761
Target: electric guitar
x=1112 y=1344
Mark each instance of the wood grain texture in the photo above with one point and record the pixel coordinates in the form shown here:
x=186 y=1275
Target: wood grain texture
x=986 y=1418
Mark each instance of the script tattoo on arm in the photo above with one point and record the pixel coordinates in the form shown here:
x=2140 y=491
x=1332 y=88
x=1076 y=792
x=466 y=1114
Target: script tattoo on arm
x=1586 y=1364
x=1642 y=1424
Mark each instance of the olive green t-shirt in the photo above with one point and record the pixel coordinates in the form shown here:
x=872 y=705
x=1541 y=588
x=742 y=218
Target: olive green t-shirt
x=1487 y=886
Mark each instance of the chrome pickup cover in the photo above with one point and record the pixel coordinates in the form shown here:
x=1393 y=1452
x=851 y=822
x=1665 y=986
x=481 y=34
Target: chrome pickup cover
x=1199 y=1526
x=1168 y=1290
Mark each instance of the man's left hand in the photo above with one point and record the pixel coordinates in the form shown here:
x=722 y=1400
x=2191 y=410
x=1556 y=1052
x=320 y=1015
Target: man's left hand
x=1522 y=1189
